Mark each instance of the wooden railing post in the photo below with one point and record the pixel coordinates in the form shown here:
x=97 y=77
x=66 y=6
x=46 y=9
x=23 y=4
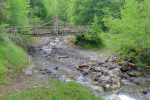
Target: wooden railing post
x=15 y=31
x=35 y=31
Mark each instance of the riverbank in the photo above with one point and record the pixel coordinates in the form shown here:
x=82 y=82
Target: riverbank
x=57 y=58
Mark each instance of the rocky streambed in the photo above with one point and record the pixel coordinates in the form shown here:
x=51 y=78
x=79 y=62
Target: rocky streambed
x=55 y=57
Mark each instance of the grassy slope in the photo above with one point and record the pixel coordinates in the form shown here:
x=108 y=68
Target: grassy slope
x=128 y=46
x=55 y=91
x=12 y=60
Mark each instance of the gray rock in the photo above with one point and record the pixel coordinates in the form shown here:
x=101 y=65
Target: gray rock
x=29 y=70
x=127 y=82
x=116 y=72
x=140 y=80
x=48 y=71
x=97 y=88
x=125 y=75
x=98 y=69
x=132 y=74
x=112 y=66
x=107 y=86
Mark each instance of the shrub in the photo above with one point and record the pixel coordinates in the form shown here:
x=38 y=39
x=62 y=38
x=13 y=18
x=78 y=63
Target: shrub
x=90 y=40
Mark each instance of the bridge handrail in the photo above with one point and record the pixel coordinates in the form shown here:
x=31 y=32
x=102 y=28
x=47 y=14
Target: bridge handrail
x=62 y=27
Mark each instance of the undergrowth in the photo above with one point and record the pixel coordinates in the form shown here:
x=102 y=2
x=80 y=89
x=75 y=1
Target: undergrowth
x=132 y=48
x=88 y=41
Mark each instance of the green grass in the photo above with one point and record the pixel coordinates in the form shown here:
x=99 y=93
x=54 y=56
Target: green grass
x=12 y=60
x=3 y=70
x=56 y=91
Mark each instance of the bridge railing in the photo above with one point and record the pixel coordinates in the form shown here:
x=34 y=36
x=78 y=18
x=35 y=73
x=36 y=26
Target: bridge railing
x=46 y=30
x=18 y=30
x=62 y=28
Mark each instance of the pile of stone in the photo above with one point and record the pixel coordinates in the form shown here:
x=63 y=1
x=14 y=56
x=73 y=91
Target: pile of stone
x=105 y=73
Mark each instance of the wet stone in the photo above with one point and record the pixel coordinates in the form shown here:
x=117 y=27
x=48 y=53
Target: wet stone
x=140 y=80
x=95 y=79
x=49 y=71
x=45 y=69
x=131 y=74
x=45 y=52
x=43 y=73
x=125 y=75
x=144 y=92
x=106 y=87
x=41 y=69
x=113 y=66
x=99 y=74
x=57 y=68
x=127 y=82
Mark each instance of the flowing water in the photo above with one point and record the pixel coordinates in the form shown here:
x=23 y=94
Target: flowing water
x=55 y=60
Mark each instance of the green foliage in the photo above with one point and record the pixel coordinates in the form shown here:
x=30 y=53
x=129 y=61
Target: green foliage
x=56 y=91
x=88 y=8
x=38 y=10
x=2 y=28
x=3 y=10
x=88 y=41
x=22 y=40
x=145 y=56
x=55 y=8
x=12 y=58
x=92 y=39
x=95 y=27
x=132 y=30
x=15 y=56
x=3 y=72
x=51 y=7
x=125 y=44
x=3 y=69
x=19 y=10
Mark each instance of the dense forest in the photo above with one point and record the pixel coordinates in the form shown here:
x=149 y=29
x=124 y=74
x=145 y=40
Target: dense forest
x=116 y=26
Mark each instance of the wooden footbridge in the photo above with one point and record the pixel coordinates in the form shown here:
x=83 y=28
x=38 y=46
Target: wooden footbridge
x=54 y=27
